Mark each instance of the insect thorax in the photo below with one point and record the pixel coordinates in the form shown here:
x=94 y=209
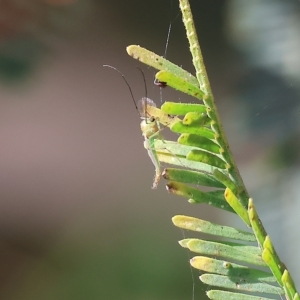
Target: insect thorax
x=149 y=127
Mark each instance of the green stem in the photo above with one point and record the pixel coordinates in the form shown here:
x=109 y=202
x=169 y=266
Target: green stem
x=198 y=62
x=208 y=100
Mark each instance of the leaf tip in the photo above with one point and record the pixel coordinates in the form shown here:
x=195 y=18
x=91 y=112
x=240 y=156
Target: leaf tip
x=132 y=51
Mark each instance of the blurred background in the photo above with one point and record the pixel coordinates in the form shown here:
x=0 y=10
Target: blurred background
x=78 y=218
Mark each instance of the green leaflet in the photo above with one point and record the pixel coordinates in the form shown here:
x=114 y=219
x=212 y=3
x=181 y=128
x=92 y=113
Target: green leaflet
x=180 y=84
x=222 y=267
x=176 y=154
x=289 y=286
x=222 y=249
x=206 y=158
x=240 y=284
x=269 y=254
x=222 y=295
x=192 y=177
x=181 y=109
x=237 y=206
x=195 y=224
x=198 y=196
x=196 y=119
x=165 y=157
x=214 y=246
x=179 y=127
x=157 y=62
x=271 y=262
x=198 y=141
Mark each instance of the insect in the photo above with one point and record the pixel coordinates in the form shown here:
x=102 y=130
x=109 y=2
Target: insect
x=150 y=131
x=149 y=126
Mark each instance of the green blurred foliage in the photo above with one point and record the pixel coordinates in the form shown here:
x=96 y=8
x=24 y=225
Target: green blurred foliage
x=111 y=266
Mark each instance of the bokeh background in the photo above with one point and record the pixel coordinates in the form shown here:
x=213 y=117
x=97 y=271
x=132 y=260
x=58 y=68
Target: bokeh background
x=78 y=219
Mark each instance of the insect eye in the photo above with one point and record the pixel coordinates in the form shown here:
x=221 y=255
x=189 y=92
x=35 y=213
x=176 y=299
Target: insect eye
x=152 y=119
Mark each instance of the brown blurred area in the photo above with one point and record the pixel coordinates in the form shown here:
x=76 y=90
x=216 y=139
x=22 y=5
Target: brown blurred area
x=78 y=218
x=17 y=16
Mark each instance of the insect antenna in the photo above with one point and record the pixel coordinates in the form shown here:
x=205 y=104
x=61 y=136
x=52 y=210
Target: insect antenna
x=130 y=90
x=163 y=84
x=145 y=102
x=144 y=79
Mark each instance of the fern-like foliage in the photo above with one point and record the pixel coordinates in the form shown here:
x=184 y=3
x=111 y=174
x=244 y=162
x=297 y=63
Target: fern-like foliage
x=204 y=159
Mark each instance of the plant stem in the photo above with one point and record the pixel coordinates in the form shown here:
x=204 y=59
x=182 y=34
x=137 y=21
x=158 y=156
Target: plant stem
x=208 y=100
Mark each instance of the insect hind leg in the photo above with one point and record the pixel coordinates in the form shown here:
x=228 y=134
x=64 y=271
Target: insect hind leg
x=149 y=145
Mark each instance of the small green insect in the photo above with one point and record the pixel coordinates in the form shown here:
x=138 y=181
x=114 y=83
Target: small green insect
x=151 y=132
